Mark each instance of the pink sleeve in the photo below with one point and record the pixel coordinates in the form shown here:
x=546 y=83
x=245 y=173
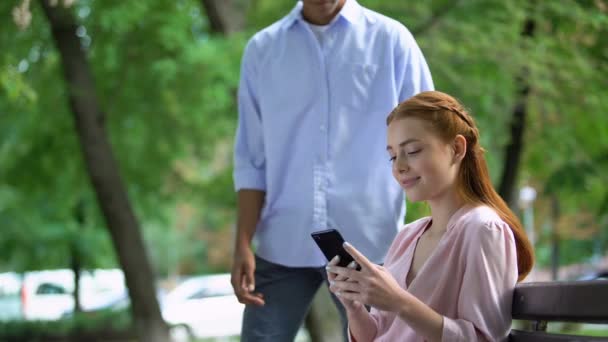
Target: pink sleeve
x=484 y=303
x=376 y=318
x=392 y=256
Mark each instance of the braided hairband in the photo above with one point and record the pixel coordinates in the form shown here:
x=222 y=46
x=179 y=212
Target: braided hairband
x=457 y=112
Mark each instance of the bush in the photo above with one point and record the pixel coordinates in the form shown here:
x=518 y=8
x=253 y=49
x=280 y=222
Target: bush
x=101 y=325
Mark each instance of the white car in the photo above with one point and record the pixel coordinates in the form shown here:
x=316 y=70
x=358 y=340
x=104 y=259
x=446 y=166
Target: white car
x=203 y=307
x=10 y=299
x=49 y=295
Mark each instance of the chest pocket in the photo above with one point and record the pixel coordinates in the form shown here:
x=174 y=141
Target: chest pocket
x=361 y=87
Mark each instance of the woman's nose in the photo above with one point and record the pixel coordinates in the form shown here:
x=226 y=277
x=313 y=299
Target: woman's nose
x=402 y=165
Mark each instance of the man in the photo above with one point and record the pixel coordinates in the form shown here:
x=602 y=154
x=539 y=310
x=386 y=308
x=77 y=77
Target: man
x=315 y=90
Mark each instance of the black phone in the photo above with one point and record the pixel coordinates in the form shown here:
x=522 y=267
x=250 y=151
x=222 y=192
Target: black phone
x=330 y=242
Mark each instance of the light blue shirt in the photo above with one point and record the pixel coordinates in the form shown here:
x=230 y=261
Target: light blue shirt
x=312 y=131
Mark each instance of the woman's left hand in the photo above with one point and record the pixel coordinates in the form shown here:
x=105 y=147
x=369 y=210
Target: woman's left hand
x=373 y=285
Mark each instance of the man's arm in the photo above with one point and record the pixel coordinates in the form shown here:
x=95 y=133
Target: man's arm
x=250 y=203
x=249 y=208
x=249 y=180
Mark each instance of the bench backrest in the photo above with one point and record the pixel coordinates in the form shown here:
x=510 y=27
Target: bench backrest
x=573 y=301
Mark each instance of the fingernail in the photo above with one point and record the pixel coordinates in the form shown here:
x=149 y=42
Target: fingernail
x=251 y=288
x=346 y=244
x=335 y=259
x=352 y=264
x=331 y=282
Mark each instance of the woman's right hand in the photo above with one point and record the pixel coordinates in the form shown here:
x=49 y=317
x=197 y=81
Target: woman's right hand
x=349 y=305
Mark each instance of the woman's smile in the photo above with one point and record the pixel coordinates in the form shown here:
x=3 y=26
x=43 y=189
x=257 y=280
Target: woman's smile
x=409 y=182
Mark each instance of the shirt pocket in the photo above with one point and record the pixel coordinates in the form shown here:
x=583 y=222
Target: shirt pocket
x=361 y=87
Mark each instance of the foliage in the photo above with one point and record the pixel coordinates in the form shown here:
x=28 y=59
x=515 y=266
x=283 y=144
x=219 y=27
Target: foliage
x=169 y=135
x=476 y=51
x=168 y=92
x=114 y=324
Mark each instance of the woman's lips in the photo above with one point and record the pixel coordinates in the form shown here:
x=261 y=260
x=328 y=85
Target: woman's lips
x=409 y=182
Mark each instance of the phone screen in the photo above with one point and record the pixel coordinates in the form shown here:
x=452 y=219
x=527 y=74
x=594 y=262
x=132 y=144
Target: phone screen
x=330 y=242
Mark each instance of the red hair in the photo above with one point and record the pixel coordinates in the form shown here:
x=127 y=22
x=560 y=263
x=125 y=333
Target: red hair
x=448 y=118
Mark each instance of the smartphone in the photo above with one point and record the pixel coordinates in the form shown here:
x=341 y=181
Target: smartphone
x=330 y=242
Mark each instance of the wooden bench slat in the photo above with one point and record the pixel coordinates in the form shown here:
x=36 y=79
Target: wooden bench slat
x=528 y=336
x=573 y=301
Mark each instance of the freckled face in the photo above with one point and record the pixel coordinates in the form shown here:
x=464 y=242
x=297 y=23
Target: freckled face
x=422 y=163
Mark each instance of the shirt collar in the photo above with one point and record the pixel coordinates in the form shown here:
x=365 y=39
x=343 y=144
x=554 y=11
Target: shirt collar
x=351 y=11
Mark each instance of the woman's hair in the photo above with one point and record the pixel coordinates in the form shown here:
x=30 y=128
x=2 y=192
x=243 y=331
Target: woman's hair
x=448 y=118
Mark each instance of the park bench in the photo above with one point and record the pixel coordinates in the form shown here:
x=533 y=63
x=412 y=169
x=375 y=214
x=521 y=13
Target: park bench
x=559 y=301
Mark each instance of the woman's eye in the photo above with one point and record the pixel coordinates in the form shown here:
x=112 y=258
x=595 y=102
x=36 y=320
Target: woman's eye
x=392 y=159
x=414 y=152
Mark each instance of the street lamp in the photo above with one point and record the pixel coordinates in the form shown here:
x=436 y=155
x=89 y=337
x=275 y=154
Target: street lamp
x=527 y=195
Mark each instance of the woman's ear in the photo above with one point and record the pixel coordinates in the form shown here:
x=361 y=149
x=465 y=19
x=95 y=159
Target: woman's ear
x=460 y=148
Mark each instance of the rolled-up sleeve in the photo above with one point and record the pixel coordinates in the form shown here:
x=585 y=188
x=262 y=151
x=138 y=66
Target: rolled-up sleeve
x=249 y=156
x=484 y=303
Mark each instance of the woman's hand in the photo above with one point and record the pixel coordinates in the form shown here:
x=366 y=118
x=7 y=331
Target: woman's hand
x=334 y=277
x=373 y=285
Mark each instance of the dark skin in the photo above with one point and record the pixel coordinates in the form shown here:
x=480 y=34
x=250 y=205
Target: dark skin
x=250 y=202
x=321 y=12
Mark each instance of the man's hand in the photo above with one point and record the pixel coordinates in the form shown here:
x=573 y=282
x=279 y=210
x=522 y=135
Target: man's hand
x=249 y=203
x=243 y=280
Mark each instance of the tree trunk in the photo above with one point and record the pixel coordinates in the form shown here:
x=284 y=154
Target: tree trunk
x=75 y=265
x=104 y=175
x=225 y=16
x=555 y=214
x=514 y=149
x=76 y=256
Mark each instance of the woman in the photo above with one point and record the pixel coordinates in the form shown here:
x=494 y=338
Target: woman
x=450 y=276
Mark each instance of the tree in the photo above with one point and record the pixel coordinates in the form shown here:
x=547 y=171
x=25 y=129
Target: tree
x=167 y=88
x=514 y=148
x=225 y=16
x=105 y=177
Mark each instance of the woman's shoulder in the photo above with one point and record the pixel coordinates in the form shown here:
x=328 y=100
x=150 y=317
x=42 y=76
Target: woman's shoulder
x=482 y=233
x=480 y=214
x=475 y=220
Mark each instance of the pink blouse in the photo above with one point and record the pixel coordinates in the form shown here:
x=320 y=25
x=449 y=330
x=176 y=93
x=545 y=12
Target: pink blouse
x=469 y=278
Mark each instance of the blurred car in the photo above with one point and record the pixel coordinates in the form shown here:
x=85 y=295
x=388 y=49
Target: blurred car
x=10 y=301
x=595 y=275
x=49 y=295
x=203 y=307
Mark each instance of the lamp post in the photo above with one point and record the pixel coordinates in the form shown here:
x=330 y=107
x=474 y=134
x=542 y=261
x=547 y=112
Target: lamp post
x=527 y=195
